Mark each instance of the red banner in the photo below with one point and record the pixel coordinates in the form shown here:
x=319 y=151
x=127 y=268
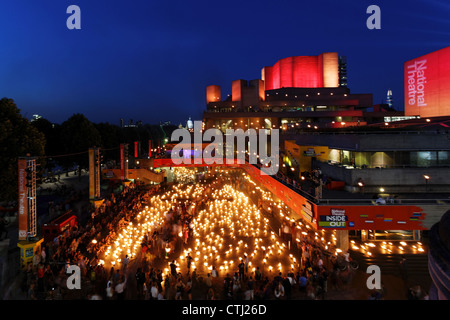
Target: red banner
x=122 y=162
x=149 y=148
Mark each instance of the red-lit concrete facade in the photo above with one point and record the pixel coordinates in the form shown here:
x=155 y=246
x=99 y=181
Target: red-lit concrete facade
x=427 y=85
x=303 y=72
x=213 y=93
x=299 y=92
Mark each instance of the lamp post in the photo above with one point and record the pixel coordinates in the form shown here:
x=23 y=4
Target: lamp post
x=426 y=177
x=361 y=185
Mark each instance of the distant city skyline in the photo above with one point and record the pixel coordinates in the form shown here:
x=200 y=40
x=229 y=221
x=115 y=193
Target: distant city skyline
x=152 y=61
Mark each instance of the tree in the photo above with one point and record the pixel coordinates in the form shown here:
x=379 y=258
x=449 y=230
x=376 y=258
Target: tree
x=17 y=139
x=78 y=134
x=52 y=135
x=110 y=137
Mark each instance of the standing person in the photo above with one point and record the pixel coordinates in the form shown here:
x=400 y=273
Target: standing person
x=120 y=288
x=109 y=289
x=154 y=291
x=43 y=255
x=31 y=294
x=214 y=273
x=125 y=262
x=246 y=262
x=250 y=289
x=186 y=235
x=210 y=294
x=208 y=280
x=241 y=267
x=189 y=288
x=258 y=275
x=279 y=291
x=403 y=269
x=166 y=287
x=173 y=268
x=40 y=276
x=189 y=262
x=286 y=283
x=140 y=280
x=179 y=287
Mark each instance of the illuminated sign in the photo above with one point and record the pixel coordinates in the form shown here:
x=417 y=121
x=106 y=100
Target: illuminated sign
x=416 y=83
x=337 y=219
x=309 y=153
x=427 y=85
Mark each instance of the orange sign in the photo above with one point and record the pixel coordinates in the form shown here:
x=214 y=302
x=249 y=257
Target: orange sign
x=23 y=202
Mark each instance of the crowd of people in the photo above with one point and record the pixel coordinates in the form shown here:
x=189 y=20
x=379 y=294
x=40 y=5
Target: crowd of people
x=82 y=245
x=144 y=278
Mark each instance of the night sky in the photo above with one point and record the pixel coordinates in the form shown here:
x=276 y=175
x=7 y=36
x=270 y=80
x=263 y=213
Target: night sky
x=152 y=60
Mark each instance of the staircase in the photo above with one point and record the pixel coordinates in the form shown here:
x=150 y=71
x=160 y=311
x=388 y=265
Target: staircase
x=417 y=264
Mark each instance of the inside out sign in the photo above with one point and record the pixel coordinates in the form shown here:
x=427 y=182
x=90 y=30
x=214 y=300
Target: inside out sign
x=337 y=219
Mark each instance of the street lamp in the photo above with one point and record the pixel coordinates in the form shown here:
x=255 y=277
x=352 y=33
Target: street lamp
x=426 y=177
x=360 y=184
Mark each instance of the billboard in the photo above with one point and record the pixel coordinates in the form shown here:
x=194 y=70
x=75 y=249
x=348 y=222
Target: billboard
x=427 y=85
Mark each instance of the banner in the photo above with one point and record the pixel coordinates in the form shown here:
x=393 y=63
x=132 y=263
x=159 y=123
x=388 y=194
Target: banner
x=91 y=174
x=23 y=203
x=122 y=162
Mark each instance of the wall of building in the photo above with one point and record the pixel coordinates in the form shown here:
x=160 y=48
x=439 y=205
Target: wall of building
x=391 y=179
x=303 y=72
x=414 y=140
x=303 y=155
x=213 y=93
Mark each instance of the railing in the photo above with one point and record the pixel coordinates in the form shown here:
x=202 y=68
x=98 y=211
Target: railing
x=388 y=203
x=407 y=132
x=384 y=166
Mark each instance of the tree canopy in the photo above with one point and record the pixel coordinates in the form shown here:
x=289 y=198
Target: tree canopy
x=17 y=139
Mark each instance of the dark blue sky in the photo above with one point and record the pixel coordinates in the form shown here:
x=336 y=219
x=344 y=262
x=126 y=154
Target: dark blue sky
x=151 y=60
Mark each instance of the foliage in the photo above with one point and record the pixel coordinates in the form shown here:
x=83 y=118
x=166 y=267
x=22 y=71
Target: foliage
x=17 y=139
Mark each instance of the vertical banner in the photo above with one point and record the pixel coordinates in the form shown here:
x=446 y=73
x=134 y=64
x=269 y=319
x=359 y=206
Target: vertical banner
x=136 y=147
x=149 y=148
x=91 y=174
x=23 y=203
x=122 y=162
x=159 y=146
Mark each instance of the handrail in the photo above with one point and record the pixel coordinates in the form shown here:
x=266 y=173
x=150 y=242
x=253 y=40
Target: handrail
x=396 y=201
